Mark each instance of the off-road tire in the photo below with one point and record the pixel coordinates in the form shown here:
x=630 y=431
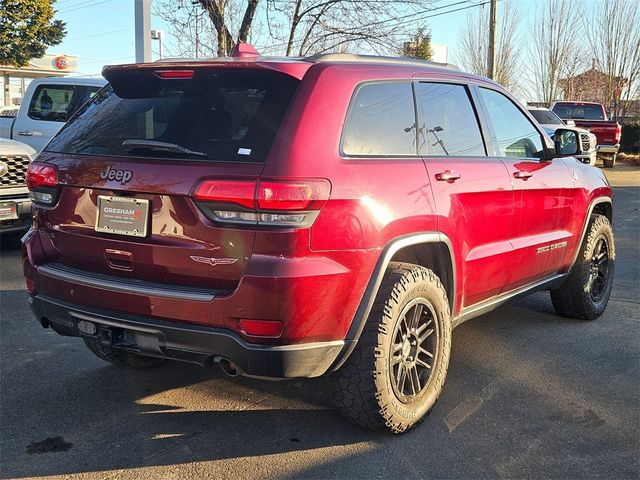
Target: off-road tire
x=573 y=298
x=363 y=386
x=609 y=161
x=121 y=357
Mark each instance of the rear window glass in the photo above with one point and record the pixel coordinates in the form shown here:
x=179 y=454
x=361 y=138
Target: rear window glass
x=56 y=103
x=219 y=116
x=381 y=121
x=579 y=112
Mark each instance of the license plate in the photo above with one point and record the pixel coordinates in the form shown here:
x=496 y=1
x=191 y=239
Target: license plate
x=122 y=216
x=8 y=211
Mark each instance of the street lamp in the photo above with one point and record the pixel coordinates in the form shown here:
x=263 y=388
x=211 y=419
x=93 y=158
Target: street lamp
x=157 y=35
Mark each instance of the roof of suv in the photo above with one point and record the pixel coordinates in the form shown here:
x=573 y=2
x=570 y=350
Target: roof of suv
x=295 y=66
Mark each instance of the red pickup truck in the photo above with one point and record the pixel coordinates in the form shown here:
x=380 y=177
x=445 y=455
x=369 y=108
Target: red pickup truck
x=593 y=117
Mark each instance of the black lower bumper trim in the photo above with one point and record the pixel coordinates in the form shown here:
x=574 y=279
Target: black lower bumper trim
x=191 y=343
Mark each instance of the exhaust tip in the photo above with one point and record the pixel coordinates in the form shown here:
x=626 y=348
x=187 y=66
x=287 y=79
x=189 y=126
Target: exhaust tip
x=227 y=367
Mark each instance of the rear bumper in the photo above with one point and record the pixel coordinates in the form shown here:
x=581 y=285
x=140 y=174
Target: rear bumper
x=608 y=148
x=185 y=342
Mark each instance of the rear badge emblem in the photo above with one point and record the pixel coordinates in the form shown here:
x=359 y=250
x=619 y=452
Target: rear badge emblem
x=214 y=261
x=122 y=176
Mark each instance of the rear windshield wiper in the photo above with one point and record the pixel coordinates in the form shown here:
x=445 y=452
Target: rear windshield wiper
x=154 y=146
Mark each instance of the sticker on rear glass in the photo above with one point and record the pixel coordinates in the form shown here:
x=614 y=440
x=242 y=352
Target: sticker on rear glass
x=244 y=151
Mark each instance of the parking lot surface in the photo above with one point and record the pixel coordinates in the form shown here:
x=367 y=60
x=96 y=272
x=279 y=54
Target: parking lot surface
x=529 y=394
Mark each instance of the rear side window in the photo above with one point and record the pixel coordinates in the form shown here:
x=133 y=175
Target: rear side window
x=516 y=135
x=448 y=123
x=381 y=121
x=217 y=115
x=56 y=103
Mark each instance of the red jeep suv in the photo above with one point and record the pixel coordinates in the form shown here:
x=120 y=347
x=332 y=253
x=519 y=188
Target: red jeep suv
x=282 y=217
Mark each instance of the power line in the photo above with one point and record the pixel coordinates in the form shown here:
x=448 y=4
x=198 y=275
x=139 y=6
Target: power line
x=405 y=20
x=98 y=34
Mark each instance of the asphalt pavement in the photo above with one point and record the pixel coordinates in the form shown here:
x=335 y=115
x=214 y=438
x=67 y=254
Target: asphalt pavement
x=528 y=395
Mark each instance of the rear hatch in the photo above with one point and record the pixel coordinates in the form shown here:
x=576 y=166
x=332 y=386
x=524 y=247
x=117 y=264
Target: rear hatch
x=130 y=162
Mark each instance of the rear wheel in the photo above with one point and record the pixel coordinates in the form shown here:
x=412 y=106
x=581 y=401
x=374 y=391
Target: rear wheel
x=609 y=161
x=396 y=372
x=586 y=292
x=121 y=357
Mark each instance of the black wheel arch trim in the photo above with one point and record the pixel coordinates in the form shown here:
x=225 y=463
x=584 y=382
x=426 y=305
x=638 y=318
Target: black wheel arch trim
x=596 y=201
x=371 y=291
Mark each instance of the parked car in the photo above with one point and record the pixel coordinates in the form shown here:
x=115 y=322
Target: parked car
x=593 y=117
x=47 y=104
x=550 y=122
x=15 y=204
x=338 y=214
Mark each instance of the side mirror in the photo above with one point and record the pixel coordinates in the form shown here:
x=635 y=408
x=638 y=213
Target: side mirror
x=567 y=142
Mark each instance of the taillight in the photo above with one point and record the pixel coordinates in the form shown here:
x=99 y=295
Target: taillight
x=42 y=181
x=618 y=134
x=284 y=203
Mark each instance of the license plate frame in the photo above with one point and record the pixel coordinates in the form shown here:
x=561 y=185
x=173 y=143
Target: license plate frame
x=8 y=211
x=122 y=215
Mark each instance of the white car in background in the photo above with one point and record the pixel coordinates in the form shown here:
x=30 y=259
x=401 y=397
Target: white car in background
x=15 y=204
x=550 y=122
x=47 y=105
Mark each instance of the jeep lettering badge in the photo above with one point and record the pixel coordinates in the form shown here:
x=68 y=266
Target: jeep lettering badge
x=122 y=176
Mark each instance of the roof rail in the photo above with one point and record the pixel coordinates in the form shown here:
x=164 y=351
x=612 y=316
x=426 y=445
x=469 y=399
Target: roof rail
x=353 y=58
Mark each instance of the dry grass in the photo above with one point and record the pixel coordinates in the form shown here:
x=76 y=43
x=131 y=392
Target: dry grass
x=629 y=159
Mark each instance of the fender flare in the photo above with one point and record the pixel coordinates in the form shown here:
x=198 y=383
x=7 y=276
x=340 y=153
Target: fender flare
x=585 y=226
x=371 y=291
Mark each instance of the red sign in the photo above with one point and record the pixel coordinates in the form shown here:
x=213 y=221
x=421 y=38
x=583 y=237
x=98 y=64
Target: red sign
x=61 y=62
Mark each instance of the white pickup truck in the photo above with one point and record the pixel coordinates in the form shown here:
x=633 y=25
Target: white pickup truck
x=46 y=106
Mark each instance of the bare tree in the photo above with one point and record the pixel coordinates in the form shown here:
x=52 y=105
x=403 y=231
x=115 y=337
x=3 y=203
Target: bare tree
x=554 y=53
x=317 y=26
x=295 y=27
x=614 y=37
x=473 y=44
x=204 y=27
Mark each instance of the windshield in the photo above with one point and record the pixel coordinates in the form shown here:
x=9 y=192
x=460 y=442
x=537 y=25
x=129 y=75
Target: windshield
x=579 y=112
x=546 y=117
x=225 y=116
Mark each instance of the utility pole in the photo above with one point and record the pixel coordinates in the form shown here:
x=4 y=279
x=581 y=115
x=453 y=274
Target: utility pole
x=491 y=64
x=143 y=30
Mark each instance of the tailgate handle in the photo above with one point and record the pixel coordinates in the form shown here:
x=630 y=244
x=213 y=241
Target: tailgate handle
x=119 y=259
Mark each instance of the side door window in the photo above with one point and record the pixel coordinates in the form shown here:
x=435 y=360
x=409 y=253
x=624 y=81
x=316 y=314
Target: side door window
x=515 y=134
x=449 y=125
x=381 y=121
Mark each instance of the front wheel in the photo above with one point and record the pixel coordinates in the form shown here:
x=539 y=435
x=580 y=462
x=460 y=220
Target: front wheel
x=396 y=372
x=586 y=292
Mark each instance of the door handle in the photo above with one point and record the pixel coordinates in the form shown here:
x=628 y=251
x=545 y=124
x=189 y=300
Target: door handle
x=448 y=176
x=25 y=133
x=523 y=175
